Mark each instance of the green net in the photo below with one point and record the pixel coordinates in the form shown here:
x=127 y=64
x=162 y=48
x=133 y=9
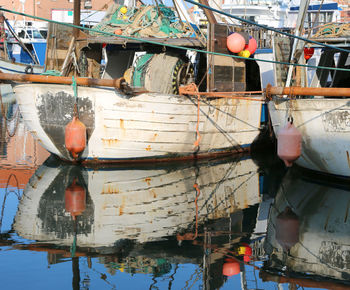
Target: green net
x=146 y=21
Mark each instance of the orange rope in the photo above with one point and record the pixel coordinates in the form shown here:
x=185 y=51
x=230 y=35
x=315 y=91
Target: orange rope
x=195 y=202
x=192 y=89
x=196 y=143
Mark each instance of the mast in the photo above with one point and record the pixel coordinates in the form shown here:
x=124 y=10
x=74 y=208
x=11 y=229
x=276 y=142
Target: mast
x=76 y=18
x=304 y=5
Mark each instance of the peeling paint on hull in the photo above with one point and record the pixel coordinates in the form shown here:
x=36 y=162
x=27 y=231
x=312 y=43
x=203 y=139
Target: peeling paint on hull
x=144 y=127
x=325 y=128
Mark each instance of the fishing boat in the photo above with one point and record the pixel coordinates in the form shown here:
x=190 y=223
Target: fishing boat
x=308 y=232
x=102 y=206
x=18 y=54
x=316 y=100
x=156 y=112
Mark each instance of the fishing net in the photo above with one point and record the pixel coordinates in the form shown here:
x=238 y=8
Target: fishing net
x=147 y=21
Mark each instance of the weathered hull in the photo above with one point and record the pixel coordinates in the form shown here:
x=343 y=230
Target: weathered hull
x=321 y=247
x=325 y=128
x=147 y=126
x=142 y=204
x=19 y=68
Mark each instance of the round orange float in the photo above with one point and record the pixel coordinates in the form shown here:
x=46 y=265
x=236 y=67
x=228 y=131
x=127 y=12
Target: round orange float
x=235 y=42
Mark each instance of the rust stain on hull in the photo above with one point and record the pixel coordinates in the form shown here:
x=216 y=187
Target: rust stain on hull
x=121 y=125
x=348 y=157
x=109 y=142
x=109 y=189
x=148 y=181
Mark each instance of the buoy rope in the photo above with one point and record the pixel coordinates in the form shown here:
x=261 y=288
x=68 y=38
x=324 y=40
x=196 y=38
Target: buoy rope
x=191 y=48
x=75 y=90
x=73 y=248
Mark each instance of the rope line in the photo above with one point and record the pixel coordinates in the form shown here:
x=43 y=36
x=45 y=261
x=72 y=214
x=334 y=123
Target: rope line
x=190 y=48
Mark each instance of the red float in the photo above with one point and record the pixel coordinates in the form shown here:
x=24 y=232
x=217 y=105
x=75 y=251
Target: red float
x=231 y=268
x=75 y=199
x=289 y=144
x=235 y=42
x=308 y=52
x=252 y=45
x=287 y=229
x=75 y=137
x=118 y=32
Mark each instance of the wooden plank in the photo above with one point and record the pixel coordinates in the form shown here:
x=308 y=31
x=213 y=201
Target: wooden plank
x=189 y=41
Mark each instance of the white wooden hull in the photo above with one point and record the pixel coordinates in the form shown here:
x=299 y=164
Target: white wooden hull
x=148 y=126
x=18 y=68
x=325 y=128
x=324 y=228
x=142 y=204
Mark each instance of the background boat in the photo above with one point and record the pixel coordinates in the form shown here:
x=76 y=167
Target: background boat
x=320 y=109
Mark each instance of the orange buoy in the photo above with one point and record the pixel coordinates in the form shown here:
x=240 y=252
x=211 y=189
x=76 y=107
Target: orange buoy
x=231 y=268
x=289 y=144
x=287 y=228
x=118 y=32
x=235 y=42
x=75 y=199
x=75 y=137
x=252 y=45
x=308 y=52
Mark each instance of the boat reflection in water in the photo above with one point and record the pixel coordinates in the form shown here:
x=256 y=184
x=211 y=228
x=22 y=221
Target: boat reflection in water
x=142 y=204
x=308 y=237
x=143 y=219
x=187 y=225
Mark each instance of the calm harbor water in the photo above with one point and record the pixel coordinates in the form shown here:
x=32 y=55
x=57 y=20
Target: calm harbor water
x=234 y=223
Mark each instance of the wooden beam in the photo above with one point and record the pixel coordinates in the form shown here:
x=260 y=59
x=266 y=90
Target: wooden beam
x=208 y=13
x=76 y=18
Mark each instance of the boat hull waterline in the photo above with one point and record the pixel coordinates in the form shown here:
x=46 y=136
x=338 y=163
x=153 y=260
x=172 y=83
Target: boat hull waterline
x=325 y=128
x=133 y=128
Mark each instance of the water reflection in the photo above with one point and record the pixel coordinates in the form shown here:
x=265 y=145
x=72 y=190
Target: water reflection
x=20 y=155
x=144 y=220
x=217 y=224
x=308 y=233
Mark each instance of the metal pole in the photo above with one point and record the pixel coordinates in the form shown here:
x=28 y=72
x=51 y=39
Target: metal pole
x=115 y=83
x=303 y=91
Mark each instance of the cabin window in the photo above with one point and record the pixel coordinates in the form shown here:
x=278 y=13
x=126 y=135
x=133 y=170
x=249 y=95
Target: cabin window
x=37 y=35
